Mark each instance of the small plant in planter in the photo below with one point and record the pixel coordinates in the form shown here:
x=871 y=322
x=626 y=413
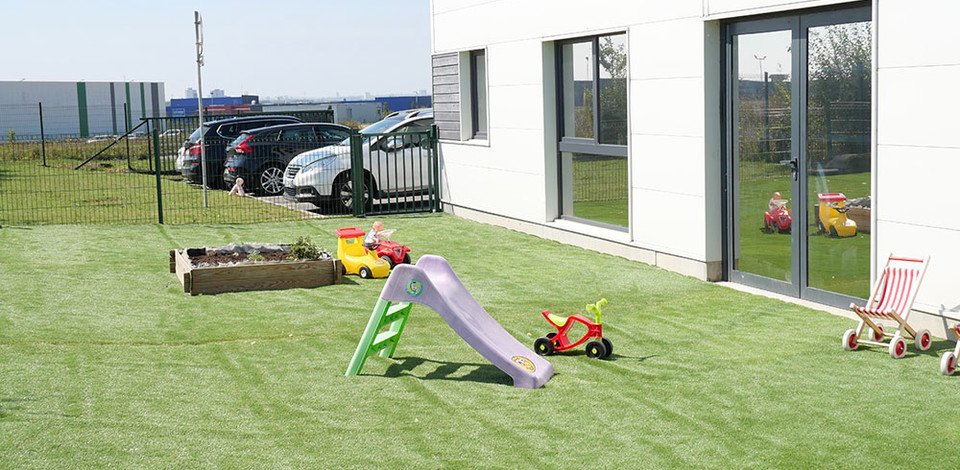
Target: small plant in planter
x=304 y=249
x=256 y=257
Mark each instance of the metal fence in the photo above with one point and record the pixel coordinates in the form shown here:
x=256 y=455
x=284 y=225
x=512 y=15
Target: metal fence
x=136 y=177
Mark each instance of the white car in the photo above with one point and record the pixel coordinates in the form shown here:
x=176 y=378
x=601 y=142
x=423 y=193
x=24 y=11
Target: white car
x=395 y=165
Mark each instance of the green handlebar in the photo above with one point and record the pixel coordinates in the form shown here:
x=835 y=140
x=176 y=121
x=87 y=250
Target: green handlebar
x=596 y=310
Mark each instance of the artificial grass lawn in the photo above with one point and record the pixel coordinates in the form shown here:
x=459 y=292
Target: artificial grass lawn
x=106 y=362
x=104 y=192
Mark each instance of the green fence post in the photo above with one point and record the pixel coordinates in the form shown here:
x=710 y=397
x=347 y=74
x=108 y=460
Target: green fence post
x=356 y=172
x=156 y=166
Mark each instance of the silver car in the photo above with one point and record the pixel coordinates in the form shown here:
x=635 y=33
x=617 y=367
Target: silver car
x=393 y=164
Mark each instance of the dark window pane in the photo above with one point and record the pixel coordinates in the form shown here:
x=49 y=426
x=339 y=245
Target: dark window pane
x=595 y=188
x=613 y=89
x=578 y=85
x=479 y=69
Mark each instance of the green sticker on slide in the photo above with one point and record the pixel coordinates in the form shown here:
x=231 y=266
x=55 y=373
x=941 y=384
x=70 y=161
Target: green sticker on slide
x=414 y=288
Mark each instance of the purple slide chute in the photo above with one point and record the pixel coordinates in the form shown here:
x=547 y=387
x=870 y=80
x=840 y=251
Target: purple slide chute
x=432 y=282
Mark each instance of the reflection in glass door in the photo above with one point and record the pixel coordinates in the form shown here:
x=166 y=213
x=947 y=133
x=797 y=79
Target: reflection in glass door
x=762 y=148
x=837 y=153
x=798 y=119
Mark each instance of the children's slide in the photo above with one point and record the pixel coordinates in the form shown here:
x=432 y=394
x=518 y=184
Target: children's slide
x=433 y=283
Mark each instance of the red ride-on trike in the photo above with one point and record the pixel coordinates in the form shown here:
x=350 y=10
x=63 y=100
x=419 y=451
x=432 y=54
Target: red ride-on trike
x=777 y=218
x=600 y=347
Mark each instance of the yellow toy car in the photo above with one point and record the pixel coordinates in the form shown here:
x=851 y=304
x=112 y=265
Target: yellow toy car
x=832 y=216
x=356 y=258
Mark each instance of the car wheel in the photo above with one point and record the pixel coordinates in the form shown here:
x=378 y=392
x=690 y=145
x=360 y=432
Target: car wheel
x=365 y=272
x=270 y=179
x=343 y=192
x=406 y=258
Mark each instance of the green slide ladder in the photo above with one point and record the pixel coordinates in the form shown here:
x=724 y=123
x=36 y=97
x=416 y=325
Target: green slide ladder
x=385 y=313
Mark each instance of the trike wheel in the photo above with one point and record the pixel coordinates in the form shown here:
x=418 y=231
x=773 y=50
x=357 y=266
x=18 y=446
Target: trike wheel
x=608 y=345
x=543 y=346
x=595 y=349
x=551 y=334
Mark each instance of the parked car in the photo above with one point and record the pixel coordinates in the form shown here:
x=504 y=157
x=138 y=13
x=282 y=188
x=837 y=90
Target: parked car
x=172 y=133
x=259 y=156
x=393 y=165
x=217 y=134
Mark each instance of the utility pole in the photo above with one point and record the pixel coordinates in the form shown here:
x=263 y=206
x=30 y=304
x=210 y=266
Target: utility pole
x=766 y=106
x=198 y=26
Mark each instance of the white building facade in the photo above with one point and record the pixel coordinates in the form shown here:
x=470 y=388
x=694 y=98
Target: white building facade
x=674 y=132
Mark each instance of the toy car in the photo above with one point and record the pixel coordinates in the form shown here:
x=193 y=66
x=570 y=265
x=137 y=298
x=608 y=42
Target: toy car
x=356 y=259
x=391 y=251
x=778 y=218
x=832 y=216
x=558 y=341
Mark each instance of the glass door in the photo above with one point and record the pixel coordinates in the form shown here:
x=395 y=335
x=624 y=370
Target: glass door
x=798 y=130
x=762 y=123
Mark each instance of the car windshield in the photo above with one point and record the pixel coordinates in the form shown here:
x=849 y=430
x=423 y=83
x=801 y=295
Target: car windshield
x=378 y=127
x=195 y=137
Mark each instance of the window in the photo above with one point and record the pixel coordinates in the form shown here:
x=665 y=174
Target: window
x=478 y=94
x=297 y=135
x=332 y=135
x=592 y=100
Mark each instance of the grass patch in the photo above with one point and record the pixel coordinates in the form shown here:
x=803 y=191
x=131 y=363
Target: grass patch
x=105 y=362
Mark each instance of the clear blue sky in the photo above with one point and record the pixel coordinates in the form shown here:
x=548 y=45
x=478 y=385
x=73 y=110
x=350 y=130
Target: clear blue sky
x=281 y=47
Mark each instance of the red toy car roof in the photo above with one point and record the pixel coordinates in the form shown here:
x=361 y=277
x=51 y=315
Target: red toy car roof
x=349 y=232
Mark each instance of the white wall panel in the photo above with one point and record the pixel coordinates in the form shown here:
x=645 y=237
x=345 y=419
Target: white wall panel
x=919 y=33
x=668 y=49
x=668 y=163
x=916 y=186
x=669 y=222
x=918 y=106
x=672 y=106
x=940 y=285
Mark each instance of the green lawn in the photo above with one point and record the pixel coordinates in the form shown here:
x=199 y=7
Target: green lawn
x=105 y=192
x=106 y=362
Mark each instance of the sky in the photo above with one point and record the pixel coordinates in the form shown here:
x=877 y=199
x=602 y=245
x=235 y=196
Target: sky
x=270 y=48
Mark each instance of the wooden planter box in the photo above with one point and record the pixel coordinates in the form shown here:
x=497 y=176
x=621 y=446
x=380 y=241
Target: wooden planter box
x=255 y=276
x=861 y=216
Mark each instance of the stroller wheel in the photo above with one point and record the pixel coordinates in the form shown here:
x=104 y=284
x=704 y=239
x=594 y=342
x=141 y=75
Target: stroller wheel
x=898 y=347
x=923 y=340
x=948 y=363
x=850 y=340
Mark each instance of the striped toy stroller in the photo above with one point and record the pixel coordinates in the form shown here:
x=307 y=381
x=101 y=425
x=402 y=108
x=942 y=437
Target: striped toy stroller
x=891 y=299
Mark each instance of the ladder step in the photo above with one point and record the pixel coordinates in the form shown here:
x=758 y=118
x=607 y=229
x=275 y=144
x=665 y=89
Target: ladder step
x=395 y=312
x=381 y=340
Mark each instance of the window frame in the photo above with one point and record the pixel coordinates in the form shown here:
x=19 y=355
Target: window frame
x=475 y=132
x=592 y=145
x=583 y=144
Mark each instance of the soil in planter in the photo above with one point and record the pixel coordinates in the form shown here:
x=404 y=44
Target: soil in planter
x=235 y=258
